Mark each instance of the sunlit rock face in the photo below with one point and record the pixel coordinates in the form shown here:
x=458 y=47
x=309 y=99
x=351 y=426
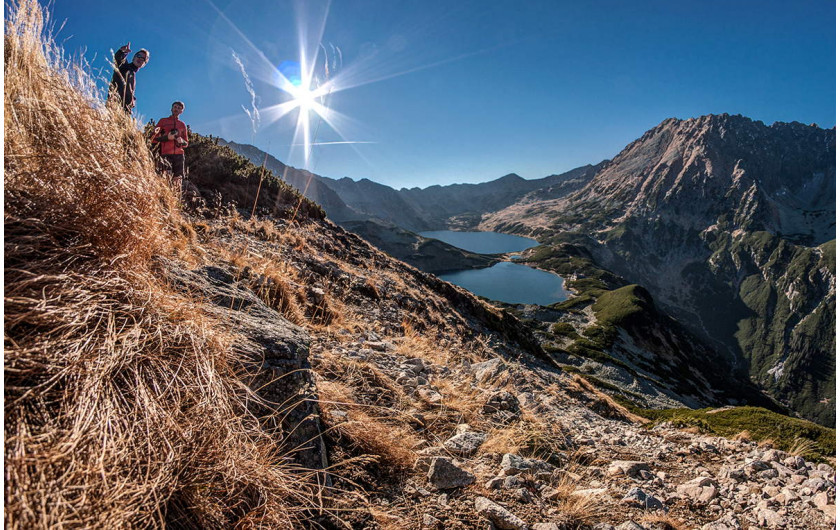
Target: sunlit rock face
x=730 y=224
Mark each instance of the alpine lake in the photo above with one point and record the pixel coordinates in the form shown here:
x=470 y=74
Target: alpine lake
x=505 y=281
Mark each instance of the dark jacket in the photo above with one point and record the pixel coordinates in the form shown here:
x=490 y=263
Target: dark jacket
x=122 y=82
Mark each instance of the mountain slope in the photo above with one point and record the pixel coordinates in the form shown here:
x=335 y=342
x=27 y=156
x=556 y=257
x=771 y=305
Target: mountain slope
x=307 y=183
x=425 y=254
x=211 y=368
x=706 y=213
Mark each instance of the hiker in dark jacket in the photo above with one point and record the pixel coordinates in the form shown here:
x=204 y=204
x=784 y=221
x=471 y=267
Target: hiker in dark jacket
x=172 y=135
x=123 y=80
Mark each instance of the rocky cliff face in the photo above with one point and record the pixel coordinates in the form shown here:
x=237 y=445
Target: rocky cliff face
x=718 y=217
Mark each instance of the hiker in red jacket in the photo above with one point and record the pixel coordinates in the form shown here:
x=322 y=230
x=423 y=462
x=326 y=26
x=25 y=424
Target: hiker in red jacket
x=171 y=133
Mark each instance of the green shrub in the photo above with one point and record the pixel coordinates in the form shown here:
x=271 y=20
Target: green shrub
x=760 y=423
x=564 y=329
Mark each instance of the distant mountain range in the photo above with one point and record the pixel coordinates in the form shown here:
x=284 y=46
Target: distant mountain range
x=727 y=222
x=416 y=209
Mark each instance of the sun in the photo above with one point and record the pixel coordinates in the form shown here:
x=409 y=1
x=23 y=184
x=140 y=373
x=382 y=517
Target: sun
x=304 y=98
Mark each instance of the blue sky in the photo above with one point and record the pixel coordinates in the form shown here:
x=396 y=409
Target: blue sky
x=467 y=91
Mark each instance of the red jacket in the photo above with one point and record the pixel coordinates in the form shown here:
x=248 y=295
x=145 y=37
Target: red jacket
x=171 y=147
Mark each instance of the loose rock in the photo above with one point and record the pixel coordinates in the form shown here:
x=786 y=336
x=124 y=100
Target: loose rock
x=444 y=474
x=499 y=516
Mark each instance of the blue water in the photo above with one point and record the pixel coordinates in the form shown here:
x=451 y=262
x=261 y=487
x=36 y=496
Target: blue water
x=512 y=283
x=505 y=281
x=483 y=242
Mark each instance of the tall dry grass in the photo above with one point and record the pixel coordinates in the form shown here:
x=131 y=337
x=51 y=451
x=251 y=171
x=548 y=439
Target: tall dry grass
x=123 y=404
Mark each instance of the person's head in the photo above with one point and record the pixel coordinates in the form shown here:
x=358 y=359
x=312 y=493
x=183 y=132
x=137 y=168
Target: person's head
x=141 y=58
x=177 y=108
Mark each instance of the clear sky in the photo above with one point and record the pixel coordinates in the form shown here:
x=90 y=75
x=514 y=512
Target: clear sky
x=438 y=92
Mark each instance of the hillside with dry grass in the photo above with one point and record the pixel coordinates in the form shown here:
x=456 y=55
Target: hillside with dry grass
x=232 y=359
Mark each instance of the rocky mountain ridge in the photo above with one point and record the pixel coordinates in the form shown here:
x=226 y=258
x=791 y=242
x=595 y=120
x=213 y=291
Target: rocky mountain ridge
x=417 y=209
x=716 y=213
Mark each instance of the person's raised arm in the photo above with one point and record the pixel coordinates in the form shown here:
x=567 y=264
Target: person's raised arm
x=121 y=54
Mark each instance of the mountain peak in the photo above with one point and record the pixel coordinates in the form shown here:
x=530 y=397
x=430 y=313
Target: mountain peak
x=511 y=177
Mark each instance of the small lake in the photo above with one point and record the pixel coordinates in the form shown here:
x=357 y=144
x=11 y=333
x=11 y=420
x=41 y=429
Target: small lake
x=506 y=282
x=512 y=283
x=483 y=242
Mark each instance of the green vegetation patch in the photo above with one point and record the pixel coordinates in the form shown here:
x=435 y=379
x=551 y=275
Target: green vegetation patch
x=564 y=329
x=616 y=307
x=812 y=441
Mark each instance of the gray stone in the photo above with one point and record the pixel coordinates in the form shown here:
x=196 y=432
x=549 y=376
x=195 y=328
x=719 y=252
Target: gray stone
x=738 y=475
x=767 y=474
x=701 y=490
x=499 y=516
x=820 y=499
x=772 y=455
x=638 y=497
x=380 y=346
x=513 y=482
x=629 y=525
x=794 y=462
x=786 y=497
x=627 y=467
x=603 y=526
x=415 y=364
x=275 y=356
x=429 y=521
x=444 y=474
x=756 y=466
x=826 y=468
x=797 y=479
x=523 y=495
x=430 y=395
x=514 y=464
x=487 y=370
x=494 y=483
x=465 y=444
x=546 y=526
x=769 y=518
x=816 y=484
x=502 y=406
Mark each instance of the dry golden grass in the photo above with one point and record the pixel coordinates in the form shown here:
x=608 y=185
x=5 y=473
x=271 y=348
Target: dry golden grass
x=108 y=195
x=371 y=431
x=743 y=436
x=767 y=443
x=531 y=436
x=576 y=510
x=661 y=521
x=123 y=404
x=803 y=447
x=604 y=404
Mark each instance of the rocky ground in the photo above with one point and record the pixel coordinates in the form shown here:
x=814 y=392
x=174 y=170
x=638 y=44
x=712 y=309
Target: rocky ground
x=436 y=416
